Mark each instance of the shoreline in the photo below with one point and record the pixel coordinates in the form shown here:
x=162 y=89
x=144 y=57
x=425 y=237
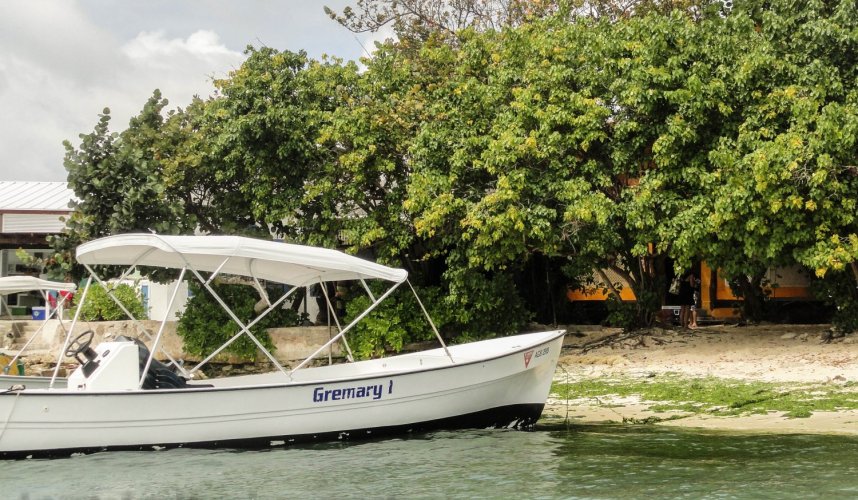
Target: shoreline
x=794 y=365
x=844 y=422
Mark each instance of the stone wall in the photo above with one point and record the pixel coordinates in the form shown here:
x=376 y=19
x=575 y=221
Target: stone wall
x=292 y=344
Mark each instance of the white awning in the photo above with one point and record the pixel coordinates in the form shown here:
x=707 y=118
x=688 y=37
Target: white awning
x=18 y=284
x=295 y=265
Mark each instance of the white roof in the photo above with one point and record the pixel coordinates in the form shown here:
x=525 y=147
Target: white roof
x=22 y=195
x=18 y=284
x=295 y=265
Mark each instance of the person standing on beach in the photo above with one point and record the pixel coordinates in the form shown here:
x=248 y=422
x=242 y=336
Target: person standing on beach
x=687 y=309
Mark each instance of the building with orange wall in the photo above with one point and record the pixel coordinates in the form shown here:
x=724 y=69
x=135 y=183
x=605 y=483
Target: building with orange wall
x=716 y=299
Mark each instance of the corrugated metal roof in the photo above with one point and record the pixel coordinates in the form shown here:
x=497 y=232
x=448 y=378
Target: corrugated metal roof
x=23 y=195
x=31 y=223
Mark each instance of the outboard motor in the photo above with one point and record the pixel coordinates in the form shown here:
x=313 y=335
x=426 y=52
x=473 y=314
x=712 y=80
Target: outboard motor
x=159 y=375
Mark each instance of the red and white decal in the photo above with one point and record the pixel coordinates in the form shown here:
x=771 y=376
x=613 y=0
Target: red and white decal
x=527 y=356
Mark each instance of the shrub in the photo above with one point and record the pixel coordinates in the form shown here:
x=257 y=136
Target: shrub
x=839 y=290
x=100 y=307
x=621 y=314
x=483 y=305
x=395 y=322
x=205 y=326
x=487 y=309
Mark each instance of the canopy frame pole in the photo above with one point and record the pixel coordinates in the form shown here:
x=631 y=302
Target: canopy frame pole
x=33 y=337
x=366 y=287
x=332 y=313
x=71 y=330
x=243 y=328
x=217 y=271
x=5 y=307
x=157 y=340
x=134 y=320
x=431 y=323
x=47 y=305
x=348 y=327
x=129 y=270
x=259 y=288
x=262 y=291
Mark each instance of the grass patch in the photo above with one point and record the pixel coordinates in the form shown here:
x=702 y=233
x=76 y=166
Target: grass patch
x=715 y=396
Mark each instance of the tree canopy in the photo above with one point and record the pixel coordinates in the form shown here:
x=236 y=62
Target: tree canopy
x=507 y=162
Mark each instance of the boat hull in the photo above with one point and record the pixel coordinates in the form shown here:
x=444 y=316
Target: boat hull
x=507 y=387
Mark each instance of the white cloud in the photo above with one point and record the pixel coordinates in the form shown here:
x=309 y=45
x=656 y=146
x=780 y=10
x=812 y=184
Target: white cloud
x=154 y=46
x=63 y=61
x=179 y=67
x=58 y=71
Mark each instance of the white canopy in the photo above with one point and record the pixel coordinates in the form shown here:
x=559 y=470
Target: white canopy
x=18 y=284
x=295 y=265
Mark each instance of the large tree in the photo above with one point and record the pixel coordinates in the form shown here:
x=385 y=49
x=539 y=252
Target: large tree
x=117 y=179
x=787 y=182
x=421 y=19
x=585 y=142
x=488 y=165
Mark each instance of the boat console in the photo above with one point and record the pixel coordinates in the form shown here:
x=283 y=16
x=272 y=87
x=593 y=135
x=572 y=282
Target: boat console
x=117 y=366
x=111 y=366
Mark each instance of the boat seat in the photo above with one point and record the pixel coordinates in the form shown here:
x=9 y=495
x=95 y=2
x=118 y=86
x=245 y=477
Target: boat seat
x=159 y=375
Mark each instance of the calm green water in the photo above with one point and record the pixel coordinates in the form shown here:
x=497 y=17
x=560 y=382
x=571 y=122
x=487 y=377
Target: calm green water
x=590 y=462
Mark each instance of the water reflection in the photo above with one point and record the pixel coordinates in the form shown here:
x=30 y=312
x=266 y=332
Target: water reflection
x=661 y=463
x=556 y=462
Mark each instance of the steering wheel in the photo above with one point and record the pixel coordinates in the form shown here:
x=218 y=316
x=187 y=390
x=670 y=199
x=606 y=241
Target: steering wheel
x=80 y=344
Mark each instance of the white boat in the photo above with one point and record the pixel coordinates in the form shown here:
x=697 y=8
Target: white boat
x=18 y=284
x=119 y=399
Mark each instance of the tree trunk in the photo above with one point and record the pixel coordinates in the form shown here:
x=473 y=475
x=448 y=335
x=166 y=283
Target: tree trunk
x=641 y=278
x=298 y=299
x=753 y=298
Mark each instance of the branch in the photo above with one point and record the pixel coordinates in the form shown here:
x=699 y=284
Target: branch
x=624 y=274
x=610 y=286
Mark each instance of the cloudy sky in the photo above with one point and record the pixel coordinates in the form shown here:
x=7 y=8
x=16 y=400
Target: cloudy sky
x=63 y=61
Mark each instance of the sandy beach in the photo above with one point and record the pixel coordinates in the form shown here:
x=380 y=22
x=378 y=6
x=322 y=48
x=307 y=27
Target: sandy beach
x=776 y=354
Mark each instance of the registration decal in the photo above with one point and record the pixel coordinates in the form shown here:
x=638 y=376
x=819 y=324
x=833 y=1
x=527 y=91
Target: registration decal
x=527 y=356
x=530 y=355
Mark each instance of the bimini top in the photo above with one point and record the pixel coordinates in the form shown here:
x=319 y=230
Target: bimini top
x=18 y=284
x=296 y=265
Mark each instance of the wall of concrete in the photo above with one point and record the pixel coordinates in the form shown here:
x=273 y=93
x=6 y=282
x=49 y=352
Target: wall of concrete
x=292 y=344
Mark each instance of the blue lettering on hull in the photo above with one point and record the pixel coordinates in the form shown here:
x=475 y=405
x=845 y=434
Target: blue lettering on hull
x=373 y=392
